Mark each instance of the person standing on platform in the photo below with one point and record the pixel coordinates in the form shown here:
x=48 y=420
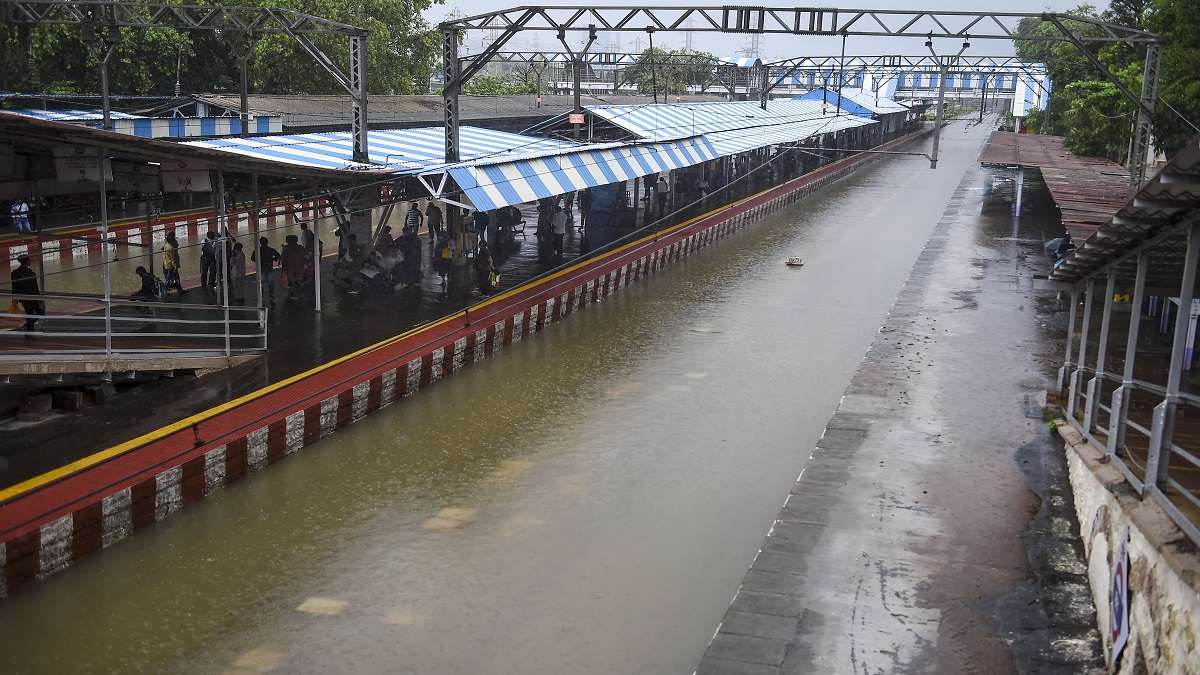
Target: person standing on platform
x=20 y=215
x=266 y=257
x=237 y=273
x=433 y=217
x=24 y=282
x=558 y=223
x=413 y=219
x=484 y=268
x=294 y=258
x=208 y=261
x=585 y=207
x=308 y=239
x=661 y=190
x=171 y=264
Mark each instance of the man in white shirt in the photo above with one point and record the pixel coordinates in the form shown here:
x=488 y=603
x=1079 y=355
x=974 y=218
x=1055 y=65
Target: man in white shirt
x=558 y=224
x=661 y=190
x=20 y=215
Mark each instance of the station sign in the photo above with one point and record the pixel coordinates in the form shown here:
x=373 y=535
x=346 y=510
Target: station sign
x=78 y=163
x=575 y=118
x=181 y=176
x=1118 y=602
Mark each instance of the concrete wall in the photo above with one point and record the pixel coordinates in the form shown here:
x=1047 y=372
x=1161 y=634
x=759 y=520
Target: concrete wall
x=49 y=522
x=1164 y=569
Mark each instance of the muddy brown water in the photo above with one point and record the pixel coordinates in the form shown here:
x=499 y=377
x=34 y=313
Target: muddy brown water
x=586 y=503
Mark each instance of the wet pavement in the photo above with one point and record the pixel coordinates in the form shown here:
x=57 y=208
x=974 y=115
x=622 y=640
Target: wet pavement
x=589 y=502
x=933 y=528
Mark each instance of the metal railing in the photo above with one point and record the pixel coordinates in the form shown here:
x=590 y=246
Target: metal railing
x=1147 y=430
x=74 y=326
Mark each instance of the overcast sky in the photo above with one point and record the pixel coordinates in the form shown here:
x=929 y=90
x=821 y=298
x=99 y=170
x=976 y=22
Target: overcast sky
x=771 y=47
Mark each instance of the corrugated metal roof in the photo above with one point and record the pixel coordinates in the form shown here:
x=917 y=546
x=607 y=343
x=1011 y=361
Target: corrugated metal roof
x=401 y=150
x=492 y=184
x=317 y=111
x=1154 y=214
x=1087 y=190
x=733 y=142
x=70 y=114
x=857 y=101
x=679 y=120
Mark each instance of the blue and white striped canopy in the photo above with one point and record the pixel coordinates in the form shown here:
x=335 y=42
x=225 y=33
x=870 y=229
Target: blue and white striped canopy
x=491 y=185
x=70 y=114
x=734 y=142
x=400 y=151
x=679 y=120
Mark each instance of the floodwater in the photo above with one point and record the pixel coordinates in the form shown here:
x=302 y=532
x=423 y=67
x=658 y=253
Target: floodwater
x=80 y=274
x=585 y=503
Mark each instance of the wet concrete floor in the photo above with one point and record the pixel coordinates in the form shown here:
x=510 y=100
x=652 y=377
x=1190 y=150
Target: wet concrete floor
x=933 y=529
x=586 y=503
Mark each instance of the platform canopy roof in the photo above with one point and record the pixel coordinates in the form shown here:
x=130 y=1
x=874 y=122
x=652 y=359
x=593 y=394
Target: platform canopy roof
x=720 y=129
x=70 y=114
x=738 y=140
x=491 y=183
x=401 y=151
x=680 y=120
x=855 y=101
x=1154 y=218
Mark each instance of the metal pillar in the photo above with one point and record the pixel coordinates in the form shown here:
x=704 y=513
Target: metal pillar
x=245 y=96
x=1095 y=385
x=256 y=206
x=941 y=112
x=1120 y=399
x=1138 y=156
x=223 y=239
x=1081 y=360
x=1065 y=369
x=316 y=221
x=764 y=85
x=1162 y=430
x=107 y=273
x=983 y=97
x=104 y=95
x=358 y=95
x=450 y=90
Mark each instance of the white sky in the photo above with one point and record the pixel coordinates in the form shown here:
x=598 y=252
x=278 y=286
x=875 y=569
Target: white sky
x=771 y=47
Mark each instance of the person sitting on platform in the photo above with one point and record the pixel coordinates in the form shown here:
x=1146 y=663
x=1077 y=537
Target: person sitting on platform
x=149 y=287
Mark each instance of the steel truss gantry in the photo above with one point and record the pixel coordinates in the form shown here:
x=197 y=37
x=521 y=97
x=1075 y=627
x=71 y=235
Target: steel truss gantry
x=959 y=25
x=888 y=66
x=101 y=20
x=726 y=74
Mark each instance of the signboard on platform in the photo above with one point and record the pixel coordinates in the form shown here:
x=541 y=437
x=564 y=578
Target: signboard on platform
x=180 y=176
x=76 y=163
x=1118 y=602
x=575 y=118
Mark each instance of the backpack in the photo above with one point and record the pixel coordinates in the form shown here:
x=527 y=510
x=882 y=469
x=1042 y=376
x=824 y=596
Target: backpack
x=206 y=250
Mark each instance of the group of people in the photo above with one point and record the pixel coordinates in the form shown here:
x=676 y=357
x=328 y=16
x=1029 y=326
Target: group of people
x=296 y=264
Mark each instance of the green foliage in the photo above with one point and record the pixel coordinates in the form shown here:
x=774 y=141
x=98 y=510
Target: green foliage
x=1098 y=117
x=496 y=85
x=670 y=71
x=1179 y=80
x=401 y=52
x=1087 y=108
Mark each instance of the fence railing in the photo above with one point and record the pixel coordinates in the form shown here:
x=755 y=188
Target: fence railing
x=73 y=326
x=1149 y=432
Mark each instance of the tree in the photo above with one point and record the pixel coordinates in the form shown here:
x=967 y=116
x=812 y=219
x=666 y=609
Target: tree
x=401 y=52
x=1088 y=110
x=1178 y=86
x=671 y=71
x=495 y=85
